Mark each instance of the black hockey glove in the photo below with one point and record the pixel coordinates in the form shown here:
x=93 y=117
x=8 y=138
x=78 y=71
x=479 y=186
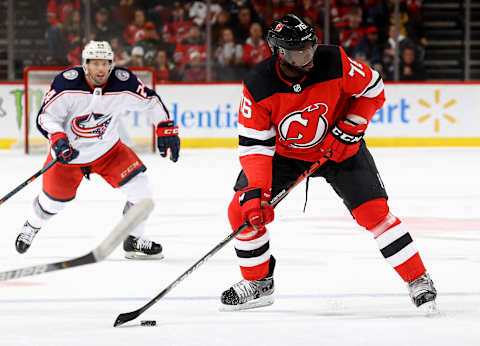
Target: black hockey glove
x=167 y=138
x=62 y=148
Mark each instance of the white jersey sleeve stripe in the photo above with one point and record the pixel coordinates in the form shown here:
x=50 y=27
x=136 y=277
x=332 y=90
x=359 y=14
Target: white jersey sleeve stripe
x=256 y=134
x=255 y=149
x=374 y=88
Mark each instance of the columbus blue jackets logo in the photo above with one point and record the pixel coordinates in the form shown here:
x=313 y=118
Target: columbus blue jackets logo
x=304 y=128
x=70 y=74
x=91 y=125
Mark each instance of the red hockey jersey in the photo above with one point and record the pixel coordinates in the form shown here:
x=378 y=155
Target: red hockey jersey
x=292 y=117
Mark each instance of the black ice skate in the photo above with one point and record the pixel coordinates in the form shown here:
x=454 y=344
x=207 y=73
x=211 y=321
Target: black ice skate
x=423 y=293
x=141 y=248
x=25 y=237
x=248 y=295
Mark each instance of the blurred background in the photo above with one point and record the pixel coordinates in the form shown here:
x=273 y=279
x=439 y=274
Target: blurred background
x=219 y=40
x=195 y=54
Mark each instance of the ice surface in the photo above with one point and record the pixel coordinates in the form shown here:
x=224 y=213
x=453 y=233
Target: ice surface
x=332 y=285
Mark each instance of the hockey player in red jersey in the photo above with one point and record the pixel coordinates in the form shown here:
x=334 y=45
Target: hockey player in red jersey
x=296 y=105
x=79 y=116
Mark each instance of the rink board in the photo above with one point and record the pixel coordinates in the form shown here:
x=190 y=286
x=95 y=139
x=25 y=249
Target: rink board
x=415 y=114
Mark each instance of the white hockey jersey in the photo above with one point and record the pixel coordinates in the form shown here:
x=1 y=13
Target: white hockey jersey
x=90 y=116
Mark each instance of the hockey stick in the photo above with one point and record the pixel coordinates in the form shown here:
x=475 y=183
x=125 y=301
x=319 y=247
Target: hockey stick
x=136 y=214
x=128 y=316
x=28 y=181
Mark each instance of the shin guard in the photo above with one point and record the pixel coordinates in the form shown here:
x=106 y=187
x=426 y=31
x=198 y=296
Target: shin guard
x=394 y=242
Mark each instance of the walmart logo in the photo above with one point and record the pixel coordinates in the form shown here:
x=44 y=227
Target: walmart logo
x=437 y=111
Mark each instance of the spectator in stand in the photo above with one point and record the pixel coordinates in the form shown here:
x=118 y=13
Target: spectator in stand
x=121 y=56
x=198 y=12
x=178 y=25
x=414 y=8
x=137 y=57
x=275 y=10
x=195 y=36
x=222 y=22
x=101 y=28
x=123 y=13
x=307 y=8
x=195 y=70
x=390 y=44
x=255 y=49
x=244 y=20
x=410 y=69
x=72 y=31
x=382 y=16
x=368 y=50
x=57 y=11
x=233 y=7
x=159 y=12
x=339 y=10
x=259 y=7
x=193 y=41
x=152 y=43
x=353 y=32
x=229 y=57
x=135 y=31
x=165 y=70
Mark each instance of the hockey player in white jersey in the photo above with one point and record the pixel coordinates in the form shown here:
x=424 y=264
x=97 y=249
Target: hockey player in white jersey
x=80 y=116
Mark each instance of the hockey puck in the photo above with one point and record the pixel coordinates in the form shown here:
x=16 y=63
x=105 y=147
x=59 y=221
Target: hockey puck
x=148 y=323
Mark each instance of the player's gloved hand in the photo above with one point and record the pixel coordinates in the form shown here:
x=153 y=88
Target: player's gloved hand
x=343 y=139
x=62 y=148
x=250 y=204
x=167 y=138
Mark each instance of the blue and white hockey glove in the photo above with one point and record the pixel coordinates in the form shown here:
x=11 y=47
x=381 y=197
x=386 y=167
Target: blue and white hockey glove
x=62 y=148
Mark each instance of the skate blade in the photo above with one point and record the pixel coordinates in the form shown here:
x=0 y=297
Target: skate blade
x=429 y=308
x=252 y=304
x=143 y=257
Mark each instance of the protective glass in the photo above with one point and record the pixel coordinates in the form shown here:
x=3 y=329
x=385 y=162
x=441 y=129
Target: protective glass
x=299 y=58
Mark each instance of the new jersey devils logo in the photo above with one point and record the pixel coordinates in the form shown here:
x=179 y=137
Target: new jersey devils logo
x=91 y=125
x=304 y=128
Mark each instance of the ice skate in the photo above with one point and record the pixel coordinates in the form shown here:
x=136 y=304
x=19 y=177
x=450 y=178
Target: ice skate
x=248 y=295
x=25 y=237
x=141 y=248
x=423 y=294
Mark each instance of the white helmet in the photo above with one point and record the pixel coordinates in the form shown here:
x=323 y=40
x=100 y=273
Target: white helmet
x=97 y=50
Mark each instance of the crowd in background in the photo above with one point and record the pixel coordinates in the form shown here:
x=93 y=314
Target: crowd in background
x=170 y=36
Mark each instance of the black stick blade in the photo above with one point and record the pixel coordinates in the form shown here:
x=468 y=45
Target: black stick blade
x=126 y=317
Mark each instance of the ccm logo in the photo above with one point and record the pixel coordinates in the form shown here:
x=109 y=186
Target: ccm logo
x=129 y=169
x=162 y=132
x=170 y=131
x=345 y=137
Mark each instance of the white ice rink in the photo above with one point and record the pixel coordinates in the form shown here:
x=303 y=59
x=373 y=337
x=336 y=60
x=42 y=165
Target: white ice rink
x=332 y=285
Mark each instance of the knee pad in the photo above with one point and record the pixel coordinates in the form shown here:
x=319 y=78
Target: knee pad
x=371 y=213
x=138 y=188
